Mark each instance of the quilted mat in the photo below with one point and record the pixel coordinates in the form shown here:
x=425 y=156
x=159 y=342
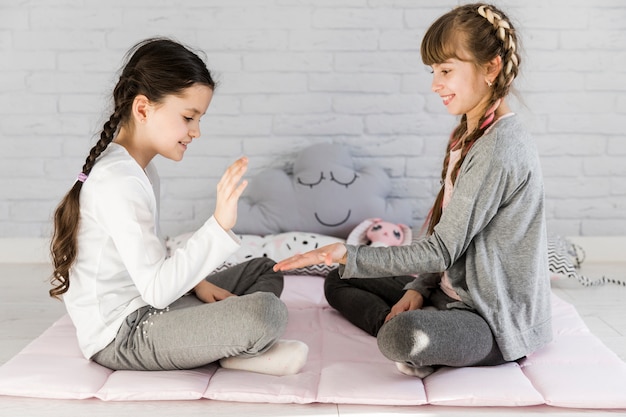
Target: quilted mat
x=576 y=370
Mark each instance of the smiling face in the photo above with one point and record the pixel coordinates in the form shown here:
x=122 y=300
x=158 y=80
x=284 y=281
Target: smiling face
x=166 y=127
x=462 y=88
x=171 y=125
x=472 y=53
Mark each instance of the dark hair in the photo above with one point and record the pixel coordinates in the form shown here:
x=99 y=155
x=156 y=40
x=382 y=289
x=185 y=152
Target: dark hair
x=475 y=33
x=156 y=68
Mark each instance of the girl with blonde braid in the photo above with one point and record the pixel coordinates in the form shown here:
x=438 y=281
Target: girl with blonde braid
x=133 y=306
x=482 y=265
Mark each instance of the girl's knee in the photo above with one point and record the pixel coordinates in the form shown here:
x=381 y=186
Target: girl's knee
x=263 y=319
x=399 y=340
x=387 y=339
x=267 y=312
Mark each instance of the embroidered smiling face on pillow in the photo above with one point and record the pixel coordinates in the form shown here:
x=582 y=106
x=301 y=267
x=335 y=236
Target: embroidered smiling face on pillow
x=324 y=194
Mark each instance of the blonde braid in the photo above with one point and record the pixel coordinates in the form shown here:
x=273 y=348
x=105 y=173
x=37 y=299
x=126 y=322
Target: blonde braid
x=504 y=32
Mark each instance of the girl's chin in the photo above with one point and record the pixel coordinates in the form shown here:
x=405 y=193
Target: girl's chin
x=455 y=110
x=175 y=158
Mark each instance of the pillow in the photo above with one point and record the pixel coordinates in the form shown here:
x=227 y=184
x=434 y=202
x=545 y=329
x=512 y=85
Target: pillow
x=276 y=247
x=325 y=194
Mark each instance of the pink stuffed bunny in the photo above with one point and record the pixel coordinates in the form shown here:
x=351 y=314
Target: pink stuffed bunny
x=377 y=232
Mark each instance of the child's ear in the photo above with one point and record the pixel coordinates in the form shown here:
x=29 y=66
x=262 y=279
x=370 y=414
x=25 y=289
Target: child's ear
x=141 y=106
x=493 y=68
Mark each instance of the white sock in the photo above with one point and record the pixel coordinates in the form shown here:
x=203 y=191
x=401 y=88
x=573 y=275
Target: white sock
x=285 y=357
x=418 y=371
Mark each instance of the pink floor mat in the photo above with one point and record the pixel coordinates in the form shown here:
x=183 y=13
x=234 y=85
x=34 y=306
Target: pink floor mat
x=576 y=370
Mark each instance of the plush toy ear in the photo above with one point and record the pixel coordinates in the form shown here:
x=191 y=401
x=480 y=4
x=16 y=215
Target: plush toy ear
x=408 y=234
x=358 y=235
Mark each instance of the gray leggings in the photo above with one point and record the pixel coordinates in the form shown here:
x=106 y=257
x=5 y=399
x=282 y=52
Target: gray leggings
x=190 y=333
x=437 y=335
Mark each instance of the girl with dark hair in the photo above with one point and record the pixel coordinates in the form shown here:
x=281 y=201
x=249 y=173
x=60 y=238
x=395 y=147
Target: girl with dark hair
x=133 y=306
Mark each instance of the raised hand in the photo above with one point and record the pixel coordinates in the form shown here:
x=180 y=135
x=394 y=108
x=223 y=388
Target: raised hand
x=329 y=254
x=229 y=190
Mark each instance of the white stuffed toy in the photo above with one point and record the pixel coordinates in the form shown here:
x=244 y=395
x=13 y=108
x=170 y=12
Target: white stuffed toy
x=379 y=233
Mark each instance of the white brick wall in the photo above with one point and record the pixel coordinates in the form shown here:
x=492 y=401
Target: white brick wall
x=297 y=72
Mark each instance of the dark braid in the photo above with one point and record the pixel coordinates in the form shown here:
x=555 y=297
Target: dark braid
x=106 y=137
x=155 y=68
x=484 y=32
x=64 y=246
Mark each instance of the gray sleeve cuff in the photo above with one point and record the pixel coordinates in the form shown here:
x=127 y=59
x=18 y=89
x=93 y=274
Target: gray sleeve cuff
x=424 y=284
x=347 y=270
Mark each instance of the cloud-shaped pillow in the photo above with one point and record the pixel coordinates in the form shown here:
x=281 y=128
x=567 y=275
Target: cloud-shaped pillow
x=325 y=194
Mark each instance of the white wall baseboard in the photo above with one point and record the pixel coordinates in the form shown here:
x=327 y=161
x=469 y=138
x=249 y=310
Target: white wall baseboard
x=36 y=250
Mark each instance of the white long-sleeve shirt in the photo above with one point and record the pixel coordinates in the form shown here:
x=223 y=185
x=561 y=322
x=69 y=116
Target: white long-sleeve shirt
x=121 y=263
